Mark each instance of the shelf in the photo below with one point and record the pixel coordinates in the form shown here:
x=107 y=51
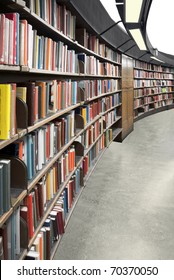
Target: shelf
x=9 y=68
x=149 y=95
x=54 y=249
x=101 y=95
x=19 y=73
x=153 y=111
x=53 y=116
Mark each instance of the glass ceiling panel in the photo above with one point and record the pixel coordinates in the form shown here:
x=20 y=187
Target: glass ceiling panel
x=111 y=8
x=160 y=25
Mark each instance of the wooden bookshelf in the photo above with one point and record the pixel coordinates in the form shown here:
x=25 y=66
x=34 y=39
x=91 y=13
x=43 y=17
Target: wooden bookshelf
x=127 y=95
x=101 y=109
x=153 y=89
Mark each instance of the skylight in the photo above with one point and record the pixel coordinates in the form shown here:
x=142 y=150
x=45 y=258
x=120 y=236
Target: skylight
x=160 y=25
x=111 y=8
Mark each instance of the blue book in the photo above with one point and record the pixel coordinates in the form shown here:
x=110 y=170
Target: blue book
x=74 y=93
x=29 y=156
x=77 y=181
x=65 y=201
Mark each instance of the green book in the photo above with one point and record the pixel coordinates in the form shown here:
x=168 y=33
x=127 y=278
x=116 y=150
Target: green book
x=6 y=180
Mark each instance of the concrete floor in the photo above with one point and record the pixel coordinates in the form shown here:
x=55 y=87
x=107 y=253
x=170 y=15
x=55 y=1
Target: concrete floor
x=126 y=211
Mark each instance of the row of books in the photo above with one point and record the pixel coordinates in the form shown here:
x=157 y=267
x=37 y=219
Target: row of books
x=146 y=107
x=91 y=133
x=21 y=225
x=150 y=91
x=93 y=88
x=108 y=136
x=90 y=65
x=152 y=83
x=41 y=98
x=92 y=42
x=152 y=67
x=152 y=99
x=152 y=75
x=90 y=111
x=36 y=148
x=110 y=117
x=91 y=157
x=26 y=48
x=63 y=20
x=54 y=14
x=19 y=228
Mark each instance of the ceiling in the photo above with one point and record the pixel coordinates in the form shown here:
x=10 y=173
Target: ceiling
x=110 y=31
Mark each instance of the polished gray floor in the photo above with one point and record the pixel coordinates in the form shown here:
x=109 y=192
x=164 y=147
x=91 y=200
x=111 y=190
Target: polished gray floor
x=126 y=211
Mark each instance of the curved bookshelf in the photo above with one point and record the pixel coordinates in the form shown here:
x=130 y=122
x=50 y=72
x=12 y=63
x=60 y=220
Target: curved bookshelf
x=153 y=89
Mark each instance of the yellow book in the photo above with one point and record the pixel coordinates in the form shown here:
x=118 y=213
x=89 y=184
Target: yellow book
x=84 y=115
x=54 y=180
x=48 y=186
x=21 y=92
x=5 y=108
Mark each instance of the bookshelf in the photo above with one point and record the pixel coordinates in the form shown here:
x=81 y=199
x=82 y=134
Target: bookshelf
x=127 y=95
x=153 y=89
x=66 y=102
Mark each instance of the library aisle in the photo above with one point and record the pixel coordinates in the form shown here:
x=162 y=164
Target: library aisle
x=126 y=211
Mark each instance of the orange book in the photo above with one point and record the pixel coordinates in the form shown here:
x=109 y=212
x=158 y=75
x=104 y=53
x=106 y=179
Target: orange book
x=21 y=149
x=59 y=95
x=40 y=235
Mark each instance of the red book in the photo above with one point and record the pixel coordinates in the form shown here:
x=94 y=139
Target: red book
x=60 y=222
x=28 y=203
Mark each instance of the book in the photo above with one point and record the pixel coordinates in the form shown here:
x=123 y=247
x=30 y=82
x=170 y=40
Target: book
x=1 y=189
x=21 y=92
x=1 y=249
x=6 y=184
x=2 y=38
x=28 y=203
x=3 y=233
x=5 y=111
x=13 y=122
x=24 y=234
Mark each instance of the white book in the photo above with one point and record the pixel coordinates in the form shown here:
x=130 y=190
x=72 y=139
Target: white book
x=52 y=140
x=40 y=149
x=11 y=42
x=30 y=46
x=6 y=46
x=21 y=43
